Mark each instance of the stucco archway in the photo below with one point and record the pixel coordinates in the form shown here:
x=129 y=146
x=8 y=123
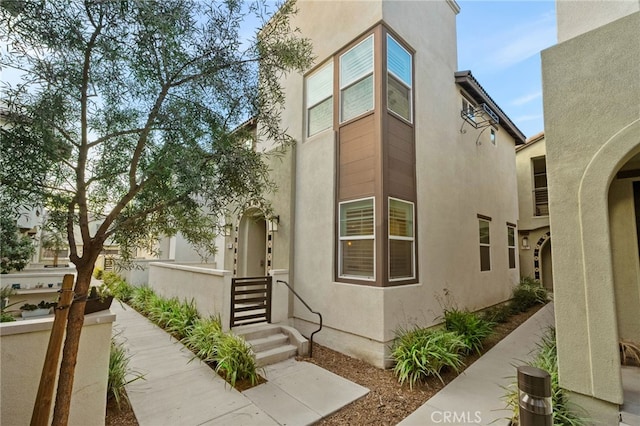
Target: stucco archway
x=252 y=228
x=542 y=261
x=597 y=261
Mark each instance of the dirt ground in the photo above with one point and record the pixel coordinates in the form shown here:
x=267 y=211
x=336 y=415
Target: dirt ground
x=387 y=403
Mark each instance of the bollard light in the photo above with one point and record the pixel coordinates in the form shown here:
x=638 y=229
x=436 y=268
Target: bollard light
x=534 y=397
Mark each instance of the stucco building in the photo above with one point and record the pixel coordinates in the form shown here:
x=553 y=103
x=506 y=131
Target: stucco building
x=533 y=205
x=400 y=194
x=591 y=94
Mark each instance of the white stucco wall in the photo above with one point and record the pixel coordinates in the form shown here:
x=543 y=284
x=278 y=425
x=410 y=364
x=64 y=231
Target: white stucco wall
x=22 y=352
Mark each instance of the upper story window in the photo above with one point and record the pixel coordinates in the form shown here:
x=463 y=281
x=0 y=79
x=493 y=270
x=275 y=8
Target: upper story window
x=319 y=87
x=399 y=81
x=540 y=194
x=492 y=137
x=356 y=80
x=468 y=109
x=357 y=238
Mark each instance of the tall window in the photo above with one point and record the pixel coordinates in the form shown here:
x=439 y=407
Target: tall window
x=319 y=86
x=356 y=80
x=540 y=194
x=401 y=240
x=511 y=245
x=399 y=79
x=485 y=245
x=357 y=239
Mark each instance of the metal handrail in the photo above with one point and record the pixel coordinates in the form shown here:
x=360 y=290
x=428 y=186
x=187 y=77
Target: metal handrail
x=311 y=310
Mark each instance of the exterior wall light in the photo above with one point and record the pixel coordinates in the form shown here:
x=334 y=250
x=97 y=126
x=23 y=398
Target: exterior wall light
x=525 y=242
x=273 y=223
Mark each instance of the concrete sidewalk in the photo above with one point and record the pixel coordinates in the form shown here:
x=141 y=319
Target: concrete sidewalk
x=177 y=390
x=475 y=396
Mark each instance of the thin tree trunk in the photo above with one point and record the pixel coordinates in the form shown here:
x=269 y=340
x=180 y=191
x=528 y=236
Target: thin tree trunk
x=72 y=342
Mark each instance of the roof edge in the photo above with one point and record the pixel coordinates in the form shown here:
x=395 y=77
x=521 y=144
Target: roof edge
x=467 y=81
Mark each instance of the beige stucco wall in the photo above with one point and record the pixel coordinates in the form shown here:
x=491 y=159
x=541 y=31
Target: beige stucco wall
x=626 y=268
x=208 y=287
x=456 y=180
x=529 y=225
x=578 y=17
x=592 y=127
x=22 y=352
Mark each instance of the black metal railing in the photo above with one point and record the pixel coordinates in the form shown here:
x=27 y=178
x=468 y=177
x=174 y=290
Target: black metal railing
x=310 y=310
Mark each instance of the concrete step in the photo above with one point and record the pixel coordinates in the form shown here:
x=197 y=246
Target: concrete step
x=271 y=356
x=265 y=343
x=254 y=332
x=627 y=418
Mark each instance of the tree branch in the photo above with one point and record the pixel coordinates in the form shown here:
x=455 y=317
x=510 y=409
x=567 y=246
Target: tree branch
x=113 y=135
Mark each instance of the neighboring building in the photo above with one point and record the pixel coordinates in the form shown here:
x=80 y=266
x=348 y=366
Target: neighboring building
x=592 y=132
x=400 y=195
x=533 y=204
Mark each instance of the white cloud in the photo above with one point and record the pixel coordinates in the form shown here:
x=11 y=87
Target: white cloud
x=526 y=98
x=518 y=44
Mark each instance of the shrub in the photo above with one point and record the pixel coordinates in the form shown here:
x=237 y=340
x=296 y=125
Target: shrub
x=235 y=359
x=547 y=359
x=420 y=353
x=203 y=338
x=142 y=298
x=5 y=317
x=98 y=273
x=471 y=328
x=528 y=293
x=174 y=316
x=497 y=314
x=118 y=372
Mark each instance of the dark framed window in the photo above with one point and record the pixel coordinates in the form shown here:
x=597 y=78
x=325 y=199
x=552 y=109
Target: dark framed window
x=356 y=80
x=484 y=228
x=401 y=240
x=357 y=239
x=399 y=79
x=511 y=246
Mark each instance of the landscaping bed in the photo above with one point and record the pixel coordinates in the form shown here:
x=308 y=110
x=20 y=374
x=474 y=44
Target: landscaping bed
x=387 y=403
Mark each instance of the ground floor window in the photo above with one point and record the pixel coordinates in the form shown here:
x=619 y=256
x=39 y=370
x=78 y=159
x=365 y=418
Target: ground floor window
x=357 y=239
x=511 y=245
x=485 y=243
x=401 y=240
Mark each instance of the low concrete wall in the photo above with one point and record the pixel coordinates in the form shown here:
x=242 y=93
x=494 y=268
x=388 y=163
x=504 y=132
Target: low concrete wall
x=280 y=297
x=139 y=274
x=22 y=352
x=209 y=288
x=32 y=278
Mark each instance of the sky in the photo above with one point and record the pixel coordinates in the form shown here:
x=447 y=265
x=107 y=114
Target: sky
x=500 y=42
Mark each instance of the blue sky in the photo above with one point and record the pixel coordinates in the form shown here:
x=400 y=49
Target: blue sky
x=500 y=42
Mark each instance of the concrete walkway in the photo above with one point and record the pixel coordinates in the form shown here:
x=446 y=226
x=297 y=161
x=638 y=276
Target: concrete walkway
x=475 y=396
x=177 y=390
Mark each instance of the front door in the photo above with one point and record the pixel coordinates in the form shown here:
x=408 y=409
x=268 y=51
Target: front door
x=252 y=244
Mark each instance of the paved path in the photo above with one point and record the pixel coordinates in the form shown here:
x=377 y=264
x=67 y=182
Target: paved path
x=180 y=391
x=475 y=397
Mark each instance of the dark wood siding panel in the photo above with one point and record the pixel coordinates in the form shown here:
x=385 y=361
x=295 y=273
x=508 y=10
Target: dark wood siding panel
x=357 y=159
x=401 y=159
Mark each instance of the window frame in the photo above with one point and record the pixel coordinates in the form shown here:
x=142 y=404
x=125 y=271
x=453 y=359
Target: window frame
x=342 y=86
x=481 y=244
x=397 y=78
x=511 y=233
x=469 y=108
x=328 y=64
x=535 y=189
x=493 y=137
x=400 y=238
x=341 y=238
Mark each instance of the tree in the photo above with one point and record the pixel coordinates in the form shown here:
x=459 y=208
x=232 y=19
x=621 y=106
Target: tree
x=16 y=249
x=127 y=115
